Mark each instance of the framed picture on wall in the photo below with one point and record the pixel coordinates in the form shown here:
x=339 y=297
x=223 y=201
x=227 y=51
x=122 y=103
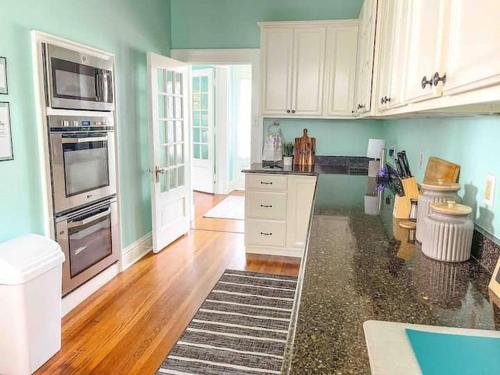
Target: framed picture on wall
x=3 y=76
x=495 y=280
x=6 y=150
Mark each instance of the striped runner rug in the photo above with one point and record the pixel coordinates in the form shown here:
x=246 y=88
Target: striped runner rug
x=241 y=327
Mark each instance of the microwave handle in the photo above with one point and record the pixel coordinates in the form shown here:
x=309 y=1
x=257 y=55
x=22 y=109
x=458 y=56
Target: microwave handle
x=83 y=140
x=98 y=84
x=79 y=223
x=104 y=87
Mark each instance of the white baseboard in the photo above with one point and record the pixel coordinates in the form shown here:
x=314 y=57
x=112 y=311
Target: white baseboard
x=136 y=250
x=277 y=251
x=73 y=299
x=131 y=254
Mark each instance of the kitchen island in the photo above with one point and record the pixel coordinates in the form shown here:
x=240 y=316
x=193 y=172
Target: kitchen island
x=360 y=267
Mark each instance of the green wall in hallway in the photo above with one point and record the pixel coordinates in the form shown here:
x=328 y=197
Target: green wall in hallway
x=333 y=137
x=471 y=142
x=233 y=23
x=127 y=28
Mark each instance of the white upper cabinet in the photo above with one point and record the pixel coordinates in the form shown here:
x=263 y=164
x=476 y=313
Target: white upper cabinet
x=341 y=47
x=427 y=28
x=364 y=65
x=277 y=55
x=308 y=68
x=393 y=45
x=473 y=58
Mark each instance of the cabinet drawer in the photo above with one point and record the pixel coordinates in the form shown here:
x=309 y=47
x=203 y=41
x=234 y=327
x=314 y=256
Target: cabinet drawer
x=266 y=182
x=265 y=205
x=265 y=233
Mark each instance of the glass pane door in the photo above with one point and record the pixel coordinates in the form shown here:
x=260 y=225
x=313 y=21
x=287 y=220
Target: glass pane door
x=200 y=117
x=171 y=129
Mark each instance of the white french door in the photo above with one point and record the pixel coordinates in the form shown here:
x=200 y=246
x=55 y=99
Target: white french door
x=170 y=149
x=203 y=134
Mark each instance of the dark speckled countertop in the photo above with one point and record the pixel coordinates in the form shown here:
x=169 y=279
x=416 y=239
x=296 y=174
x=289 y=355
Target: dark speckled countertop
x=359 y=267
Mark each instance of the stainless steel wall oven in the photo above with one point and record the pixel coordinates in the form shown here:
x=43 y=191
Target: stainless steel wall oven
x=82 y=156
x=89 y=239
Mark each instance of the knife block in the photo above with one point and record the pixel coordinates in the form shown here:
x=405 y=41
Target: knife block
x=402 y=205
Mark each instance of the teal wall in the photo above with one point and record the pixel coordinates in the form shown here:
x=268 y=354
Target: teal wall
x=472 y=142
x=127 y=28
x=333 y=137
x=233 y=23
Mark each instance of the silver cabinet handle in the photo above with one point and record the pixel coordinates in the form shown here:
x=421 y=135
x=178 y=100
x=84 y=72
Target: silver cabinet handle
x=266 y=205
x=266 y=234
x=83 y=140
x=74 y=224
x=426 y=82
x=265 y=183
x=437 y=78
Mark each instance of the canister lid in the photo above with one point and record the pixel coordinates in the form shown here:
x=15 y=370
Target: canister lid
x=439 y=185
x=451 y=208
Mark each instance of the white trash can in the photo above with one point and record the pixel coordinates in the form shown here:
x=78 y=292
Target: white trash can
x=30 y=303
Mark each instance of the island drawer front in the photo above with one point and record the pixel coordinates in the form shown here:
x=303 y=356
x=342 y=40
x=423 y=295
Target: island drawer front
x=267 y=182
x=265 y=205
x=265 y=233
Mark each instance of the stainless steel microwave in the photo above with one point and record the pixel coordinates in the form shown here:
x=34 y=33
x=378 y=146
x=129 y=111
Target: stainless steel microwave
x=76 y=80
x=82 y=159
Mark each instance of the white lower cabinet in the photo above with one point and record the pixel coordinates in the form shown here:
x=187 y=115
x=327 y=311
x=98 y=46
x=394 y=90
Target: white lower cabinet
x=277 y=213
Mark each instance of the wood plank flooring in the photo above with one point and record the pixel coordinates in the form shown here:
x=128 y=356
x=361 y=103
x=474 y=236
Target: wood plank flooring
x=129 y=325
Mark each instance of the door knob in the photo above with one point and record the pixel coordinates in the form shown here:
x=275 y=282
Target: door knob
x=293 y=110
x=158 y=172
x=287 y=111
x=436 y=79
x=360 y=106
x=426 y=82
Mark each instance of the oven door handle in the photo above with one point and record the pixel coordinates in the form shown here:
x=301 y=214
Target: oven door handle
x=83 y=140
x=74 y=224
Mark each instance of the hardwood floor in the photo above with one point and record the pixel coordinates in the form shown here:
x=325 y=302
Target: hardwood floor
x=130 y=324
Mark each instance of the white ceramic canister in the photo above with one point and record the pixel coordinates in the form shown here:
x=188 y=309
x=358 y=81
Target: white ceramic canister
x=433 y=193
x=448 y=232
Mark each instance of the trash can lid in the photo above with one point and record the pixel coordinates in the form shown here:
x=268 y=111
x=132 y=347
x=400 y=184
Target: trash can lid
x=24 y=258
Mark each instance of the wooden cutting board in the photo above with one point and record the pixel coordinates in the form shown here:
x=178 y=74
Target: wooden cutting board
x=305 y=150
x=441 y=170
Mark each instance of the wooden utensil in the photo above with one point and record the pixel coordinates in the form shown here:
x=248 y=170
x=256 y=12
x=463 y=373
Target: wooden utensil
x=305 y=150
x=441 y=170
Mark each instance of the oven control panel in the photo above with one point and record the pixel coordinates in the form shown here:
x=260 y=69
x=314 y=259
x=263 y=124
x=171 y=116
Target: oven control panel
x=77 y=122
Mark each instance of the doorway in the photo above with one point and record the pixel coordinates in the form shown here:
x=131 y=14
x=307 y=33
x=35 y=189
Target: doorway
x=221 y=126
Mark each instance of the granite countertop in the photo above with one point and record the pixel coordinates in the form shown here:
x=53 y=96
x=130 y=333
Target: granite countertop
x=359 y=267
x=324 y=164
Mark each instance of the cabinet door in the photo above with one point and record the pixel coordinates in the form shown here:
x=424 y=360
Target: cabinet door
x=385 y=50
x=427 y=24
x=341 y=47
x=394 y=45
x=364 y=65
x=300 y=197
x=308 y=70
x=473 y=59
x=277 y=47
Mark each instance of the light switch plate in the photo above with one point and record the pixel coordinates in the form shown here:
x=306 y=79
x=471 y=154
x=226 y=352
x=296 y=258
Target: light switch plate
x=489 y=191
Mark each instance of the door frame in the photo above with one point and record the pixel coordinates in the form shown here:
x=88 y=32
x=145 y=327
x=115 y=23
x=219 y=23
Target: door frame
x=240 y=56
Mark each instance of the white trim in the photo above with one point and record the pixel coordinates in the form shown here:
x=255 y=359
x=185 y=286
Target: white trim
x=237 y=56
x=347 y=22
x=73 y=299
x=222 y=120
x=136 y=250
